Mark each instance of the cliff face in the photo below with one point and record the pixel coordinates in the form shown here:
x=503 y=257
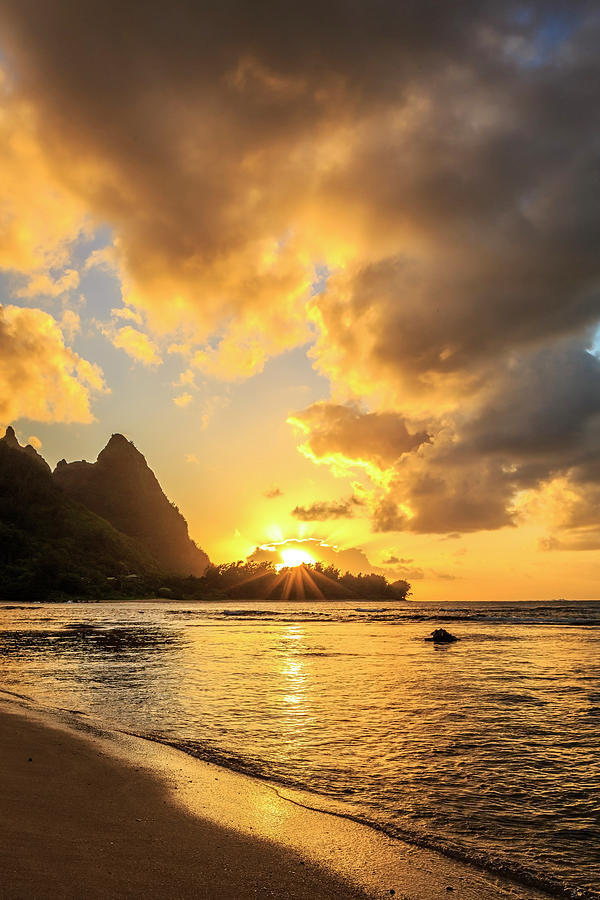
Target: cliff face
x=10 y=442
x=51 y=546
x=121 y=487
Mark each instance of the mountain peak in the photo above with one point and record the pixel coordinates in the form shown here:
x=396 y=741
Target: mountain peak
x=119 y=449
x=10 y=437
x=122 y=488
x=118 y=438
x=119 y=442
x=10 y=440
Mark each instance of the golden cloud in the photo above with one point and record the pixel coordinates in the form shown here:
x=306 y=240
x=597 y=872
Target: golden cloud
x=40 y=217
x=40 y=377
x=182 y=400
x=444 y=223
x=125 y=312
x=43 y=285
x=70 y=323
x=135 y=343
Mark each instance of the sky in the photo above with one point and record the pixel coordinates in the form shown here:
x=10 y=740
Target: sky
x=334 y=268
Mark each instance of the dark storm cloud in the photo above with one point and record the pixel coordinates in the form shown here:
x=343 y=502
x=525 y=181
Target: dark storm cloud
x=546 y=404
x=156 y=91
x=495 y=182
x=538 y=419
x=471 y=134
x=380 y=437
x=467 y=500
x=387 y=517
x=323 y=510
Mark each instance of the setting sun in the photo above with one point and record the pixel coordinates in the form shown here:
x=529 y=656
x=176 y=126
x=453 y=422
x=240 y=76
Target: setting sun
x=292 y=556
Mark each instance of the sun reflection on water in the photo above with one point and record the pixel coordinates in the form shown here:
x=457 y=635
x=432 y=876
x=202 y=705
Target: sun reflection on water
x=293 y=667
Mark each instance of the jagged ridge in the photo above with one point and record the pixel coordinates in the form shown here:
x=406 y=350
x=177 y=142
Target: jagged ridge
x=51 y=546
x=121 y=488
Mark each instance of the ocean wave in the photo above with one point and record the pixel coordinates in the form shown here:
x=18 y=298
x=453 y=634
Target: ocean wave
x=19 y=607
x=393 y=617
x=241 y=613
x=364 y=609
x=494 y=863
x=516 y=699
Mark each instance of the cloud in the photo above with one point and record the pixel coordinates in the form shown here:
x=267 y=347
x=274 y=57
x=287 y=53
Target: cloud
x=40 y=377
x=105 y=259
x=231 y=360
x=422 y=183
x=41 y=217
x=273 y=493
x=182 y=400
x=186 y=378
x=135 y=343
x=44 y=285
x=323 y=510
x=34 y=441
x=543 y=405
x=388 y=517
x=70 y=323
x=443 y=576
x=125 y=312
x=582 y=541
x=209 y=405
x=438 y=163
x=347 y=432
x=402 y=568
x=537 y=422
x=392 y=560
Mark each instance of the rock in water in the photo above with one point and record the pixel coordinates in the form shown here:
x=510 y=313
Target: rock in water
x=441 y=636
x=122 y=488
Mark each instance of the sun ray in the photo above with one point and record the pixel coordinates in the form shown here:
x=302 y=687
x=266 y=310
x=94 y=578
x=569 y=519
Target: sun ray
x=308 y=576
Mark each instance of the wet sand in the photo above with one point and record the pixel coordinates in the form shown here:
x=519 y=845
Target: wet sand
x=89 y=813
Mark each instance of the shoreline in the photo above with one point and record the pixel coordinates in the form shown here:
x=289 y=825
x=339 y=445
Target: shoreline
x=101 y=813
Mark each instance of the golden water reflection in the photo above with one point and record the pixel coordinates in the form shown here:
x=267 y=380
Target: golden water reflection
x=293 y=667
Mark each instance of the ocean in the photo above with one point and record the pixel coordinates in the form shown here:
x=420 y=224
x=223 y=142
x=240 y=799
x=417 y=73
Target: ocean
x=487 y=749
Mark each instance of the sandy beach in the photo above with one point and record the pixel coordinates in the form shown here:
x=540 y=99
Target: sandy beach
x=93 y=813
x=77 y=823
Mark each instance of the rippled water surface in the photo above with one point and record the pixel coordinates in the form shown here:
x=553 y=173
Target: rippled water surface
x=488 y=748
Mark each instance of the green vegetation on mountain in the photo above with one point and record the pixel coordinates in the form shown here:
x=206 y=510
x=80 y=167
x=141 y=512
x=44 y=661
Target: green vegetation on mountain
x=51 y=547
